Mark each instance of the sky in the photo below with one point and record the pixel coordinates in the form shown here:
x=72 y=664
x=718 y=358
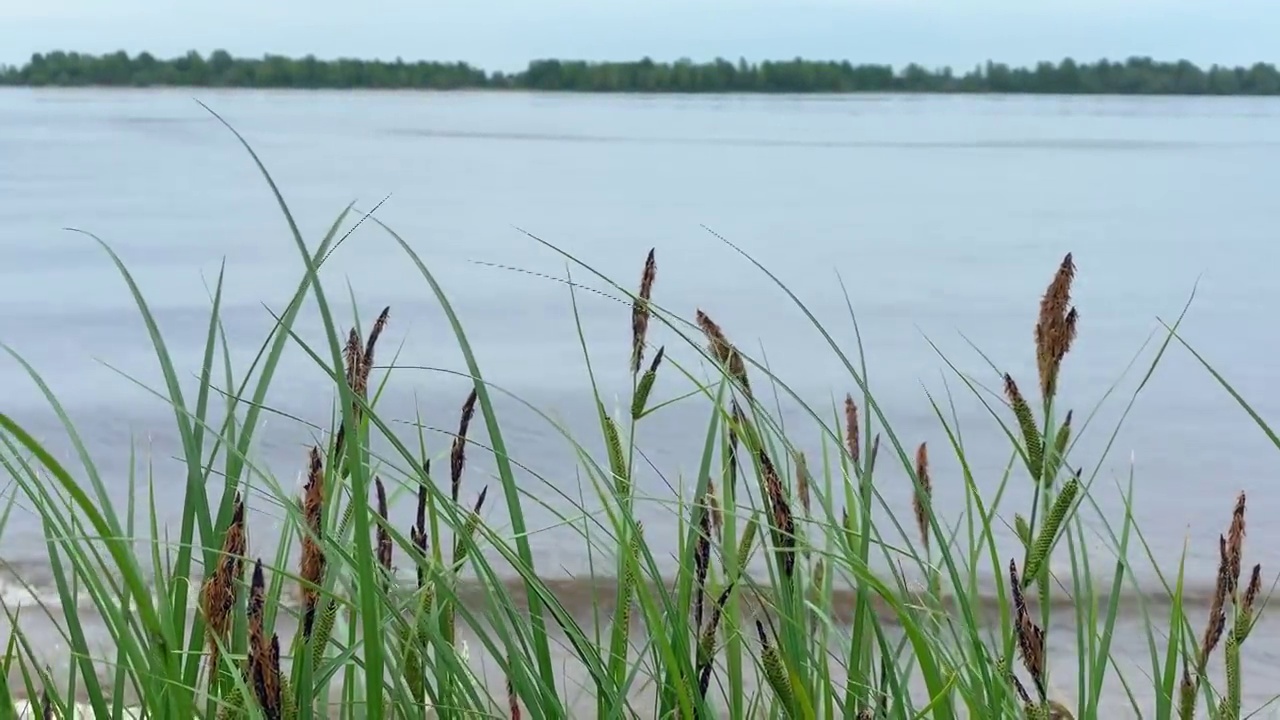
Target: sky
x=506 y=34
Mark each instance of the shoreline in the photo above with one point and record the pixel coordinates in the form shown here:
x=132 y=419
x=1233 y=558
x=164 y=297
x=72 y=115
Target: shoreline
x=737 y=94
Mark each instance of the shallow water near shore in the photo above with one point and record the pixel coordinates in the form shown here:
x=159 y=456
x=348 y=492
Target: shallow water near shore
x=942 y=215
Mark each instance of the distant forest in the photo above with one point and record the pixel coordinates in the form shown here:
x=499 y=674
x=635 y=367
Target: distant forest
x=1134 y=76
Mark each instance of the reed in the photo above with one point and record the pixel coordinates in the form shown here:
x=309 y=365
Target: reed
x=826 y=621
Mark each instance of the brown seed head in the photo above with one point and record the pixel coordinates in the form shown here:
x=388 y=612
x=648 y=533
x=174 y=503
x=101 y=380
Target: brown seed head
x=418 y=533
x=221 y=588
x=458 y=455
x=701 y=560
x=713 y=505
x=257 y=602
x=723 y=351
x=513 y=702
x=851 y=428
x=784 y=527
x=1235 y=546
x=640 y=312
x=802 y=481
x=264 y=654
x=1056 y=326
x=1217 y=615
x=707 y=641
x=1030 y=636
x=922 y=495
x=379 y=325
x=383 y=537
x=313 y=556
x=875 y=451
x=353 y=354
x=1251 y=592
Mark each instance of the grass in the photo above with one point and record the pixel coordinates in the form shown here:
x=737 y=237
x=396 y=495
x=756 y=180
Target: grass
x=801 y=591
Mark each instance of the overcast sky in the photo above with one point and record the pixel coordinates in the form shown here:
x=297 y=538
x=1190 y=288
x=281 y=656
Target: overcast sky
x=505 y=34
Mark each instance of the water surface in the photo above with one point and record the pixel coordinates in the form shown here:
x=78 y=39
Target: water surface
x=944 y=217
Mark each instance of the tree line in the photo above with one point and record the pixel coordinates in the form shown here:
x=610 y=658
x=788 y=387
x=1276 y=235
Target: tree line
x=1133 y=76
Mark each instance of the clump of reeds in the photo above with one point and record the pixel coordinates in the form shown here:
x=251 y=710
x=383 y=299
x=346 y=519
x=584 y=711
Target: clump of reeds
x=222 y=586
x=1230 y=557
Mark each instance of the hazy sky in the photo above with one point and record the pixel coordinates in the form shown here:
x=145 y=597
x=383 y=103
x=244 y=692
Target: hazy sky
x=505 y=34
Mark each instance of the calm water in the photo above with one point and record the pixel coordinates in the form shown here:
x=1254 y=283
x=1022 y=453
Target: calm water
x=945 y=218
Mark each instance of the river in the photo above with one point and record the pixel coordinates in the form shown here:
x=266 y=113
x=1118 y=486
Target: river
x=945 y=217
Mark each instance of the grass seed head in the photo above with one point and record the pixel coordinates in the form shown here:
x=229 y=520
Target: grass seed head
x=707 y=641
x=875 y=452
x=1251 y=592
x=383 y=537
x=775 y=671
x=784 y=526
x=264 y=654
x=1230 y=551
x=513 y=701
x=724 y=351
x=313 y=560
x=645 y=387
x=1030 y=636
x=1235 y=546
x=802 y=481
x=923 y=494
x=220 y=590
x=458 y=454
x=701 y=560
x=418 y=533
x=366 y=360
x=1027 y=424
x=640 y=312
x=1056 y=326
x=851 y=428
x=353 y=355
